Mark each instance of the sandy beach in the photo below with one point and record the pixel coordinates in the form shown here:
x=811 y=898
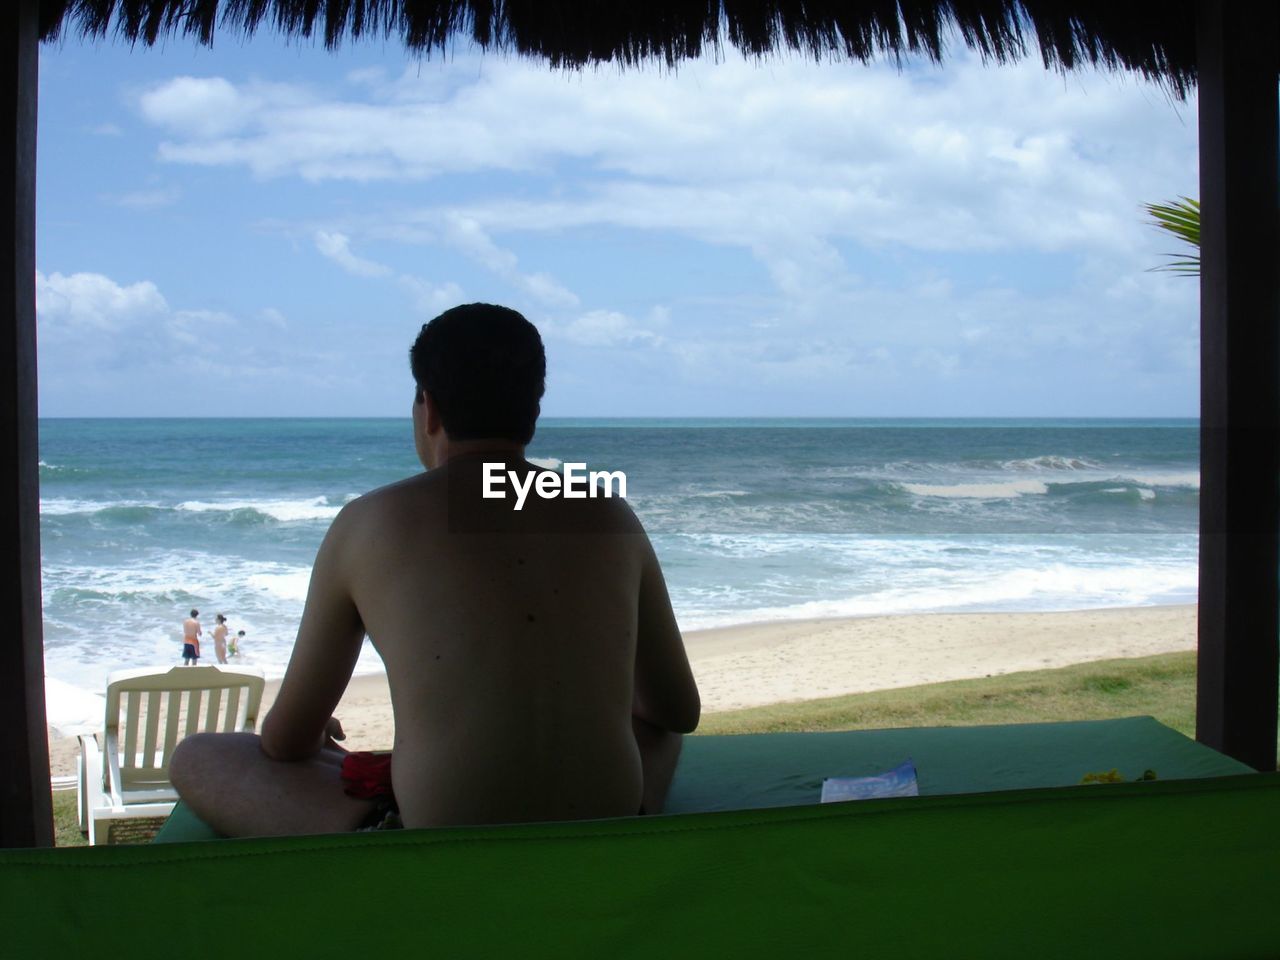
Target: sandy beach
x=756 y=664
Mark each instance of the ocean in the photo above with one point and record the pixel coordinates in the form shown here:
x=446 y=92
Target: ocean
x=758 y=519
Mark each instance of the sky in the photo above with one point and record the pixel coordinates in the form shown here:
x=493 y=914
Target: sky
x=261 y=228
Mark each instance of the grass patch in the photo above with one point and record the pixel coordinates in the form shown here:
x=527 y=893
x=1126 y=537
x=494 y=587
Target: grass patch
x=1162 y=686
x=66 y=832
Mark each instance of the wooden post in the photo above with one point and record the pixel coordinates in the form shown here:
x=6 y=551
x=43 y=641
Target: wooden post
x=1239 y=381
x=26 y=818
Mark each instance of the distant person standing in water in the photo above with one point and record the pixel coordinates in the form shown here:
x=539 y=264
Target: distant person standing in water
x=234 y=649
x=191 y=639
x=220 y=639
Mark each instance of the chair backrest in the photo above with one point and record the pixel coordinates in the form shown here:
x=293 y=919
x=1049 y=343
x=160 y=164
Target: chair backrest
x=148 y=712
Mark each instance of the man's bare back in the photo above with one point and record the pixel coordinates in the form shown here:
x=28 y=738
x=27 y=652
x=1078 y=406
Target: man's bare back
x=510 y=643
x=535 y=666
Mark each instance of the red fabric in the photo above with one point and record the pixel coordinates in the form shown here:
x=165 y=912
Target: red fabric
x=366 y=775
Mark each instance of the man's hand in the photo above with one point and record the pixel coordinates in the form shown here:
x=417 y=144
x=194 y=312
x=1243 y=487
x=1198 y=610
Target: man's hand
x=332 y=733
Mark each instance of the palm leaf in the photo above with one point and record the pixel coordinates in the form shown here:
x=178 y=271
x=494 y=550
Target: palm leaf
x=1182 y=219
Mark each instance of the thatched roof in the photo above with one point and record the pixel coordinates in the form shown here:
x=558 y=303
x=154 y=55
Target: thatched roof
x=1153 y=37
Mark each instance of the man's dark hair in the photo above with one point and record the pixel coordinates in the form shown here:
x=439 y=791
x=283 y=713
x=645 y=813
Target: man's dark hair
x=195 y=613
x=485 y=368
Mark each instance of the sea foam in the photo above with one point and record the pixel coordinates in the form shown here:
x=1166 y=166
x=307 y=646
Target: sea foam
x=979 y=491
x=1053 y=586
x=287 y=585
x=286 y=511
x=1187 y=479
x=1052 y=462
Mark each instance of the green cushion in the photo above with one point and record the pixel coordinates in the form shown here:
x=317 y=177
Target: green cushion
x=1174 y=869
x=782 y=769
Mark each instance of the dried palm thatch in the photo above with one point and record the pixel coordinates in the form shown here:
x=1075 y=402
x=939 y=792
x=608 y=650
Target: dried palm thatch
x=1153 y=37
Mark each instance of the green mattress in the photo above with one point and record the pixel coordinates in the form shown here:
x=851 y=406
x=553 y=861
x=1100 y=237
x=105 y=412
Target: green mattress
x=783 y=769
x=1171 y=868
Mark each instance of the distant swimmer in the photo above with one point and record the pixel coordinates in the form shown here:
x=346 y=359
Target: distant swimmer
x=234 y=648
x=191 y=639
x=220 y=639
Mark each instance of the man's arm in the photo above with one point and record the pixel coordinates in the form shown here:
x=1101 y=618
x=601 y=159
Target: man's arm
x=324 y=655
x=665 y=702
x=666 y=695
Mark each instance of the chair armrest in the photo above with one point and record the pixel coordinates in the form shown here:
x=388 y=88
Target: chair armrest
x=89 y=774
x=111 y=783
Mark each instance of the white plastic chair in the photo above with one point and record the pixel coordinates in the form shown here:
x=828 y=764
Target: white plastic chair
x=148 y=711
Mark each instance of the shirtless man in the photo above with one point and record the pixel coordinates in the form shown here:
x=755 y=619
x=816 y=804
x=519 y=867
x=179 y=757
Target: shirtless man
x=191 y=639
x=220 y=639
x=535 y=666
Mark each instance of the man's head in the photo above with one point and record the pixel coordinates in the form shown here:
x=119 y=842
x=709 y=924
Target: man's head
x=195 y=613
x=482 y=371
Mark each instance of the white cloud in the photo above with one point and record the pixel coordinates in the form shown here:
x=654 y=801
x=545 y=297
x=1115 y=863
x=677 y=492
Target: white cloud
x=973 y=156
x=97 y=316
x=466 y=234
x=876 y=206
x=427 y=297
x=794 y=162
x=200 y=107
x=602 y=328
x=107 y=346
x=337 y=247
x=367 y=77
x=69 y=303
x=431 y=298
x=197 y=328
x=274 y=317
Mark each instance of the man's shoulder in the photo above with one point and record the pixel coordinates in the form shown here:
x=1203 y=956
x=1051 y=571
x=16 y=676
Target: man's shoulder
x=389 y=496
x=382 y=509
x=618 y=514
x=609 y=516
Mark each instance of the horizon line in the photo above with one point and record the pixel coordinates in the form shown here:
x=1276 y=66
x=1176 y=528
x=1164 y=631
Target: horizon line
x=597 y=417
